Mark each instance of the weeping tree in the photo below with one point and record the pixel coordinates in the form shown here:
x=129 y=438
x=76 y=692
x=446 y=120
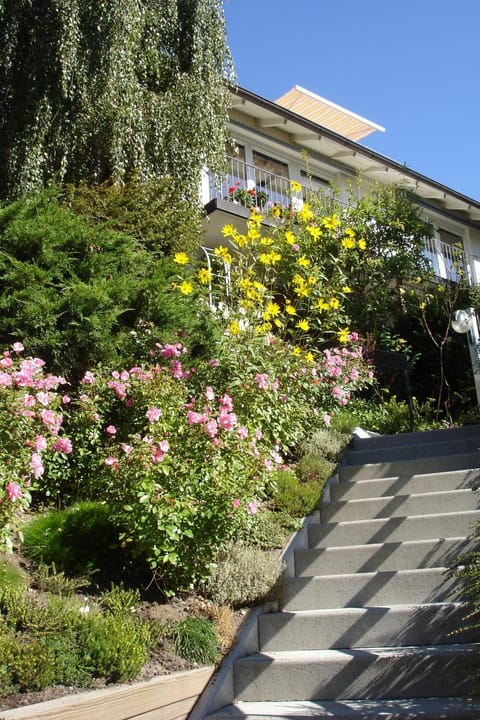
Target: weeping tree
x=94 y=90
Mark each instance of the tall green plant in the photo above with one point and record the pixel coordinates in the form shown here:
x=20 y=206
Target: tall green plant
x=92 y=90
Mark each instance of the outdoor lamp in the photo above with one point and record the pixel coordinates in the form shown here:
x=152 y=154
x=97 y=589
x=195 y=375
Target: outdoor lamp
x=466 y=322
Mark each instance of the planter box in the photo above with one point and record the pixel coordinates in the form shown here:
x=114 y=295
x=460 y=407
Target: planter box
x=169 y=697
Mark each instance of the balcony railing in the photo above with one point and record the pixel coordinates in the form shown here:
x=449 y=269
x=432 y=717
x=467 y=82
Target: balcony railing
x=250 y=186
x=450 y=262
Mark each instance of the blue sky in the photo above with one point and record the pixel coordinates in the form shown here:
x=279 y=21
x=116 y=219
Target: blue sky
x=412 y=66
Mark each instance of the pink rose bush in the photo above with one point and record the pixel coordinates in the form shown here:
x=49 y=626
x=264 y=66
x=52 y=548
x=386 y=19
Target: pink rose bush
x=31 y=432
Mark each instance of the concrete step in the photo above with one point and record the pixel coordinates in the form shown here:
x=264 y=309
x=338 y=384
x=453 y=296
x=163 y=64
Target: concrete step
x=408 y=468
x=400 y=505
x=429 y=437
x=407 y=709
x=401 y=587
x=375 y=626
x=435 y=482
x=395 y=529
x=359 y=673
x=380 y=556
x=454 y=446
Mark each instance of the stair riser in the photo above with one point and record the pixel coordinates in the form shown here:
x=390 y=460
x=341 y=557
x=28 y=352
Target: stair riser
x=359 y=490
x=359 y=627
x=395 y=529
x=413 y=452
x=382 y=588
x=400 y=506
x=355 y=674
x=408 y=468
x=389 y=556
x=424 y=438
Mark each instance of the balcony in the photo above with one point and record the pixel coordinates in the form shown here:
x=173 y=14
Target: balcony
x=450 y=262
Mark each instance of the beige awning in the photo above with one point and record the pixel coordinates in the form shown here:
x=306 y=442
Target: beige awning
x=328 y=114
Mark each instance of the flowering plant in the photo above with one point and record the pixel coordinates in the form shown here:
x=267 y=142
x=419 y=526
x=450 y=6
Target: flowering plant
x=31 y=417
x=251 y=197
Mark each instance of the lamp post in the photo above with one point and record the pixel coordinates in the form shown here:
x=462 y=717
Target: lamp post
x=466 y=322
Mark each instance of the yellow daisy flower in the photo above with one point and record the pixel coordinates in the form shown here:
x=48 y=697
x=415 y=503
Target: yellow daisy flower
x=181 y=258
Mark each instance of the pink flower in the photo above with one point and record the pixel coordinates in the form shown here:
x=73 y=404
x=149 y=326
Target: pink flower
x=195 y=418
x=327 y=419
x=226 y=403
x=262 y=380
x=88 y=378
x=354 y=374
x=5 y=379
x=276 y=384
x=153 y=414
x=176 y=369
x=164 y=446
x=65 y=399
x=213 y=363
x=28 y=400
x=111 y=430
x=40 y=443
x=63 y=445
x=227 y=421
x=112 y=462
x=43 y=398
x=36 y=465
x=48 y=417
x=157 y=454
x=209 y=393
x=236 y=503
x=242 y=432
x=127 y=449
x=18 y=347
x=13 y=491
x=211 y=428
x=6 y=362
x=252 y=507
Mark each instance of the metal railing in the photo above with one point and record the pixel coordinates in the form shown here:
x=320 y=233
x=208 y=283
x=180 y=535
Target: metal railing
x=250 y=186
x=451 y=262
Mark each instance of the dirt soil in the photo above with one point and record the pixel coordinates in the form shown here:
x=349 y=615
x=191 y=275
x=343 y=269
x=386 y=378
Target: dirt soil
x=162 y=660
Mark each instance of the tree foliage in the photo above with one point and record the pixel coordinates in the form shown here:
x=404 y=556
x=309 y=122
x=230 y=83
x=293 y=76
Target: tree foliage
x=94 y=89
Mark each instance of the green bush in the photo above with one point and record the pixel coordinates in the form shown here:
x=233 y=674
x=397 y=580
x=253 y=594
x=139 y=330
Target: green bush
x=195 y=639
x=294 y=497
x=11 y=575
x=245 y=576
x=33 y=664
x=76 y=541
x=115 y=646
x=328 y=444
x=268 y=530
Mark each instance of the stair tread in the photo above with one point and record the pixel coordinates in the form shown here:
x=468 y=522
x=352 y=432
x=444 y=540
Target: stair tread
x=291 y=656
x=403 y=709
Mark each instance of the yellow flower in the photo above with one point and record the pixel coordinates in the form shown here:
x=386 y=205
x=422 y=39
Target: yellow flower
x=305 y=214
x=234 y=328
x=322 y=305
x=181 y=258
x=263 y=328
x=303 y=261
x=272 y=310
x=309 y=357
x=241 y=240
x=362 y=244
x=269 y=258
x=290 y=237
x=346 y=289
x=343 y=335
x=255 y=218
x=275 y=211
x=349 y=232
x=312 y=280
x=253 y=233
x=332 y=222
x=204 y=276
x=229 y=231
x=334 y=303
x=348 y=243
x=303 y=325
x=314 y=231
x=297 y=351
x=289 y=309
x=186 y=287
x=295 y=186
x=266 y=241
x=277 y=323
x=223 y=253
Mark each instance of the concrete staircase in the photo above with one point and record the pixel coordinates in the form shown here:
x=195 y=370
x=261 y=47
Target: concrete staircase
x=365 y=627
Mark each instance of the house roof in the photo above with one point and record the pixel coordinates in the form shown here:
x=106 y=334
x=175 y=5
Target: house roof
x=350 y=155
x=328 y=114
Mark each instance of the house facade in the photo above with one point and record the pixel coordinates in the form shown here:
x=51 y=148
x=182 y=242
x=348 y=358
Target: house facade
x=305 y=138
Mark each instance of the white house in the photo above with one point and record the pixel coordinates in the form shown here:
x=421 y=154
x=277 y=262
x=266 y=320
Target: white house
x=305 y=138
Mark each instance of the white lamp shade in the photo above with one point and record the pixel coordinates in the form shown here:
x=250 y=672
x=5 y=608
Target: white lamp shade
x=462 y=321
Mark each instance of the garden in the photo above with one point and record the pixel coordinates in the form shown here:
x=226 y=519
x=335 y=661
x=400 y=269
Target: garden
x=164 y=433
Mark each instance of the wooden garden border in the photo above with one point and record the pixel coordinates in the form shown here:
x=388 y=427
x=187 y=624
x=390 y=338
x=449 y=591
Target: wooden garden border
x=168 y=697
